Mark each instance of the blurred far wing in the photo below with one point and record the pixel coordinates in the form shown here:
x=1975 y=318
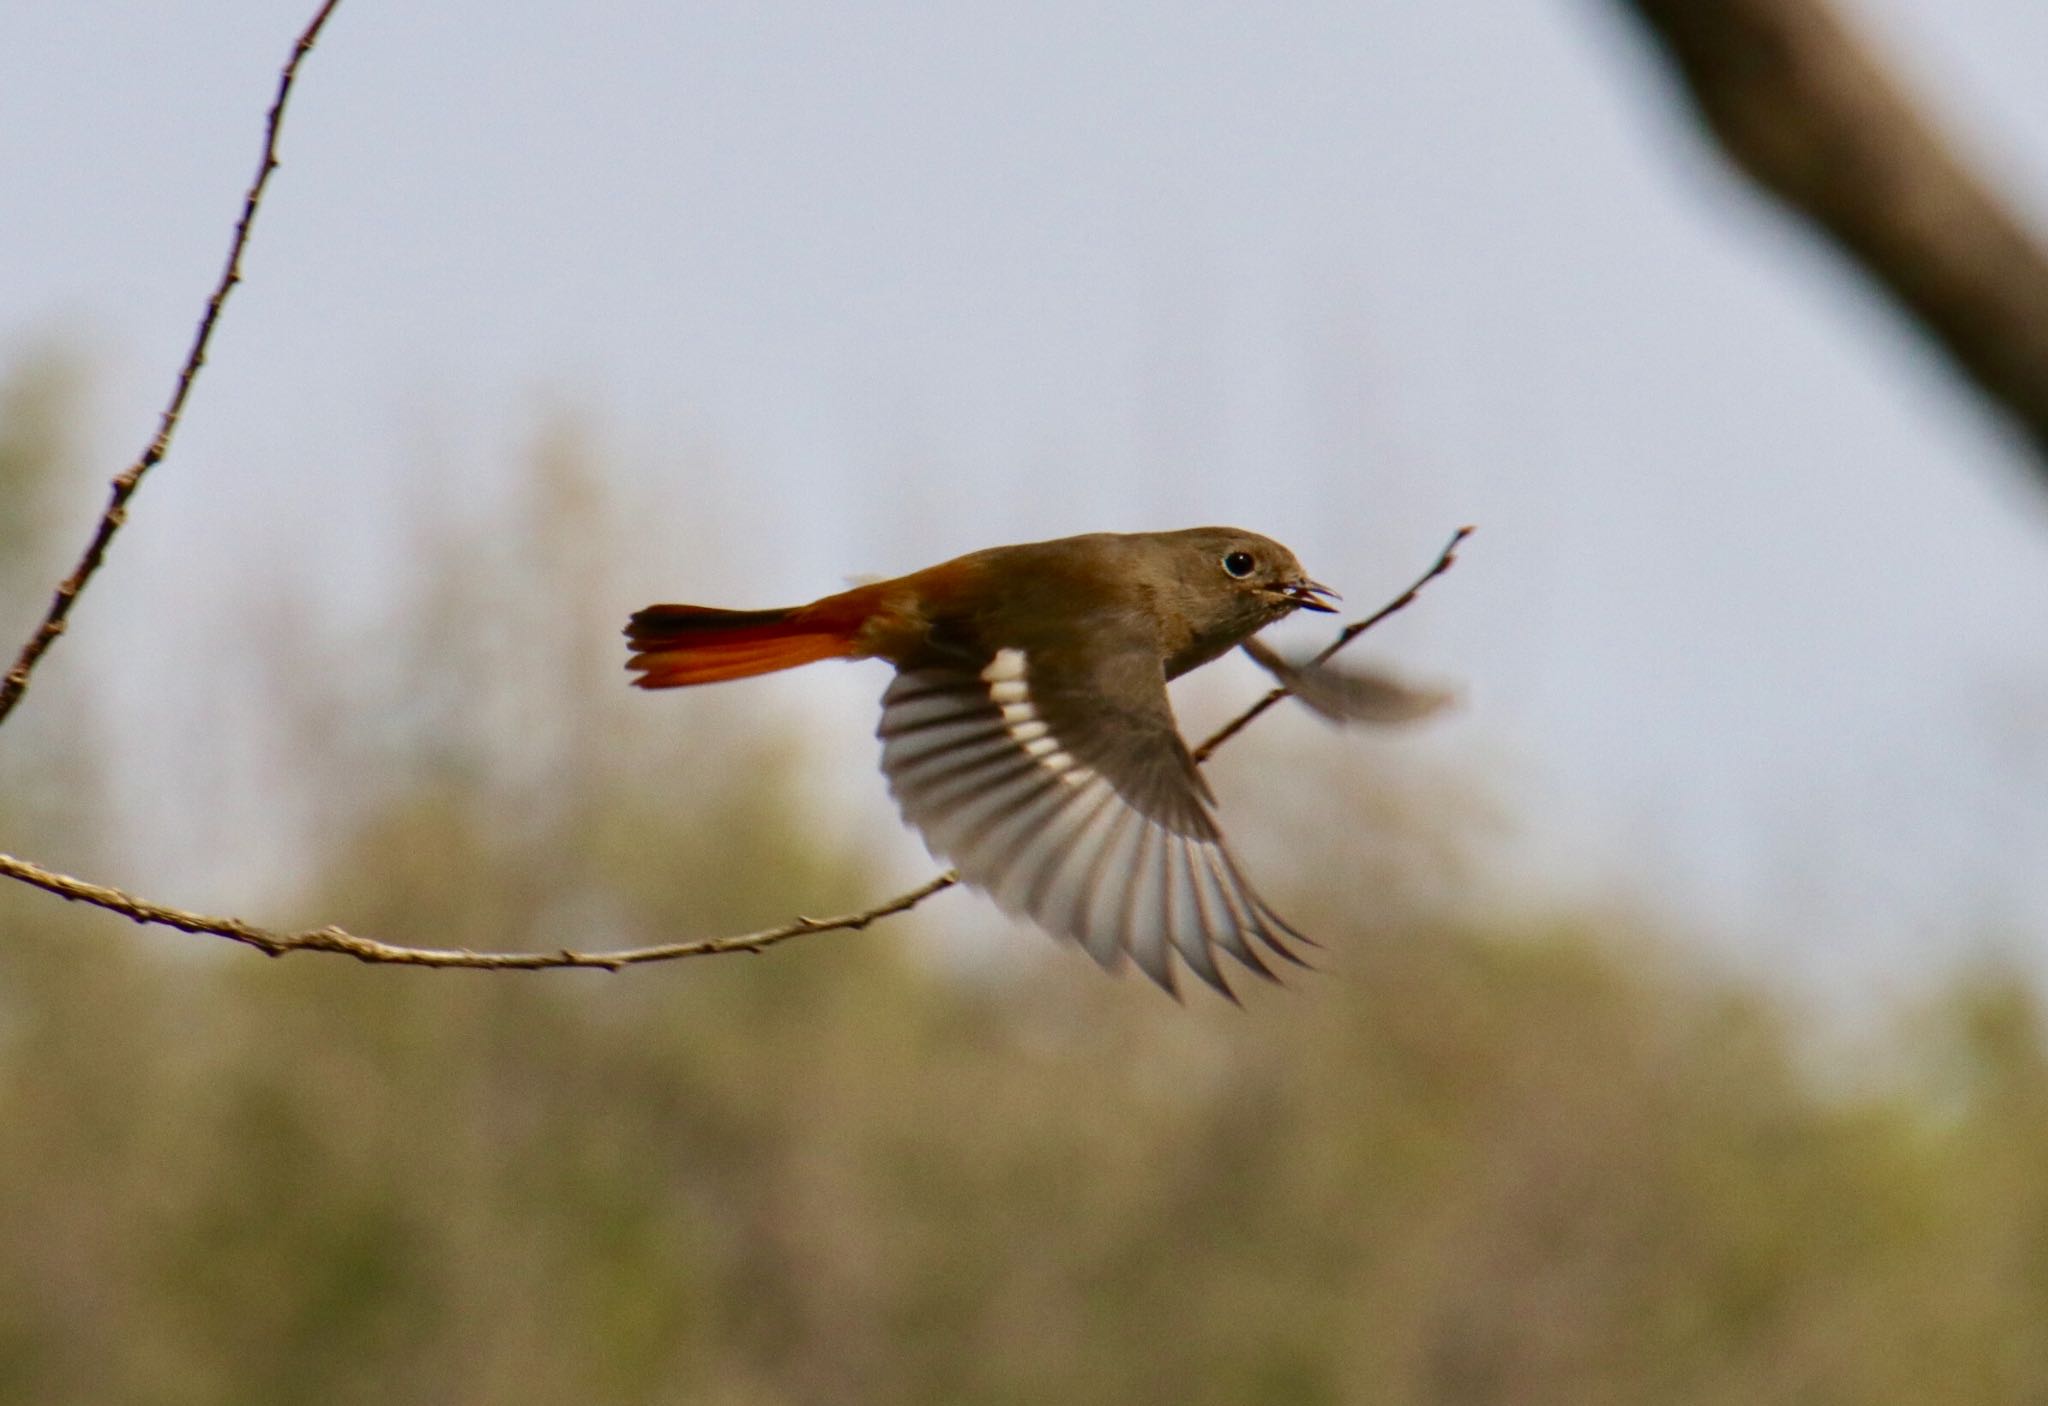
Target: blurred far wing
x=1351 y=695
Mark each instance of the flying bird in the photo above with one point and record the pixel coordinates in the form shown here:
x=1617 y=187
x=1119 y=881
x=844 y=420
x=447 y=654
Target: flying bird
x=1028 y=737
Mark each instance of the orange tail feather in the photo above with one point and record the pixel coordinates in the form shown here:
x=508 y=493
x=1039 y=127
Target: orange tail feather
x=678 y=645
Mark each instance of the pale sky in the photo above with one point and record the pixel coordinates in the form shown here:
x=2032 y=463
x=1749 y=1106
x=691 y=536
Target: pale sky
x=1757 y=621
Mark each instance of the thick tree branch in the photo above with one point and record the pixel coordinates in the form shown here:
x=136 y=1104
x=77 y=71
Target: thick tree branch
x=276 y=943
x=1803 y=105
x=126 y=482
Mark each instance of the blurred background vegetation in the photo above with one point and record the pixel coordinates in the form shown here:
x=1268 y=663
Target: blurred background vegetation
x=1515 y=1156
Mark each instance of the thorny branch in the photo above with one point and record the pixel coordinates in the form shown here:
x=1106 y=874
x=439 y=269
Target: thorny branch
x=336 y=940
x=125 y=483
x=365 y=949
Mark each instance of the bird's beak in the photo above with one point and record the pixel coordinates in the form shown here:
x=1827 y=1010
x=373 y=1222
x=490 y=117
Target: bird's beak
x=1311 y=595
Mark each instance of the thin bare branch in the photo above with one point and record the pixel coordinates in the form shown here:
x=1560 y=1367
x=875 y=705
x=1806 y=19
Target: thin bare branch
x=366 y=949
x=126 y=482
x=1445 y=560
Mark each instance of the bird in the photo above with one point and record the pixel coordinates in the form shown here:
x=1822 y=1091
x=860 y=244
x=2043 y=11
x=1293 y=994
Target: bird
x=1028 y=737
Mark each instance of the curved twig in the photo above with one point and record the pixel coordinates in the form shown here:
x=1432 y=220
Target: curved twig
x=274 y=943
x=126 y=482
x=368 y=949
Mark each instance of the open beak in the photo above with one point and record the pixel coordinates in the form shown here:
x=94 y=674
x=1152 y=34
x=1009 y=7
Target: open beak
x=1312 y=595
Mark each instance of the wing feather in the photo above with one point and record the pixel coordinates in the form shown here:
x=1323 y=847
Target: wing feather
x=1099 y=831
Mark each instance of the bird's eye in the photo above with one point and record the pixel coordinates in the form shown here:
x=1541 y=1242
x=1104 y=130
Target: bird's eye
x=1239 y=564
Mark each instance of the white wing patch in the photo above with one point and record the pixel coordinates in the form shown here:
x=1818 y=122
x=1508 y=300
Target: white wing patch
x=1009 y=692
x=992 y=789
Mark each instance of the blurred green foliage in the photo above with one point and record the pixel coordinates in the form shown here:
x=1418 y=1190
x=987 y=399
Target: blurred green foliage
x=1537 y=1163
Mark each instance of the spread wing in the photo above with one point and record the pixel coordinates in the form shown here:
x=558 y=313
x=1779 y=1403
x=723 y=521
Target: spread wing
x=1061 y=786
